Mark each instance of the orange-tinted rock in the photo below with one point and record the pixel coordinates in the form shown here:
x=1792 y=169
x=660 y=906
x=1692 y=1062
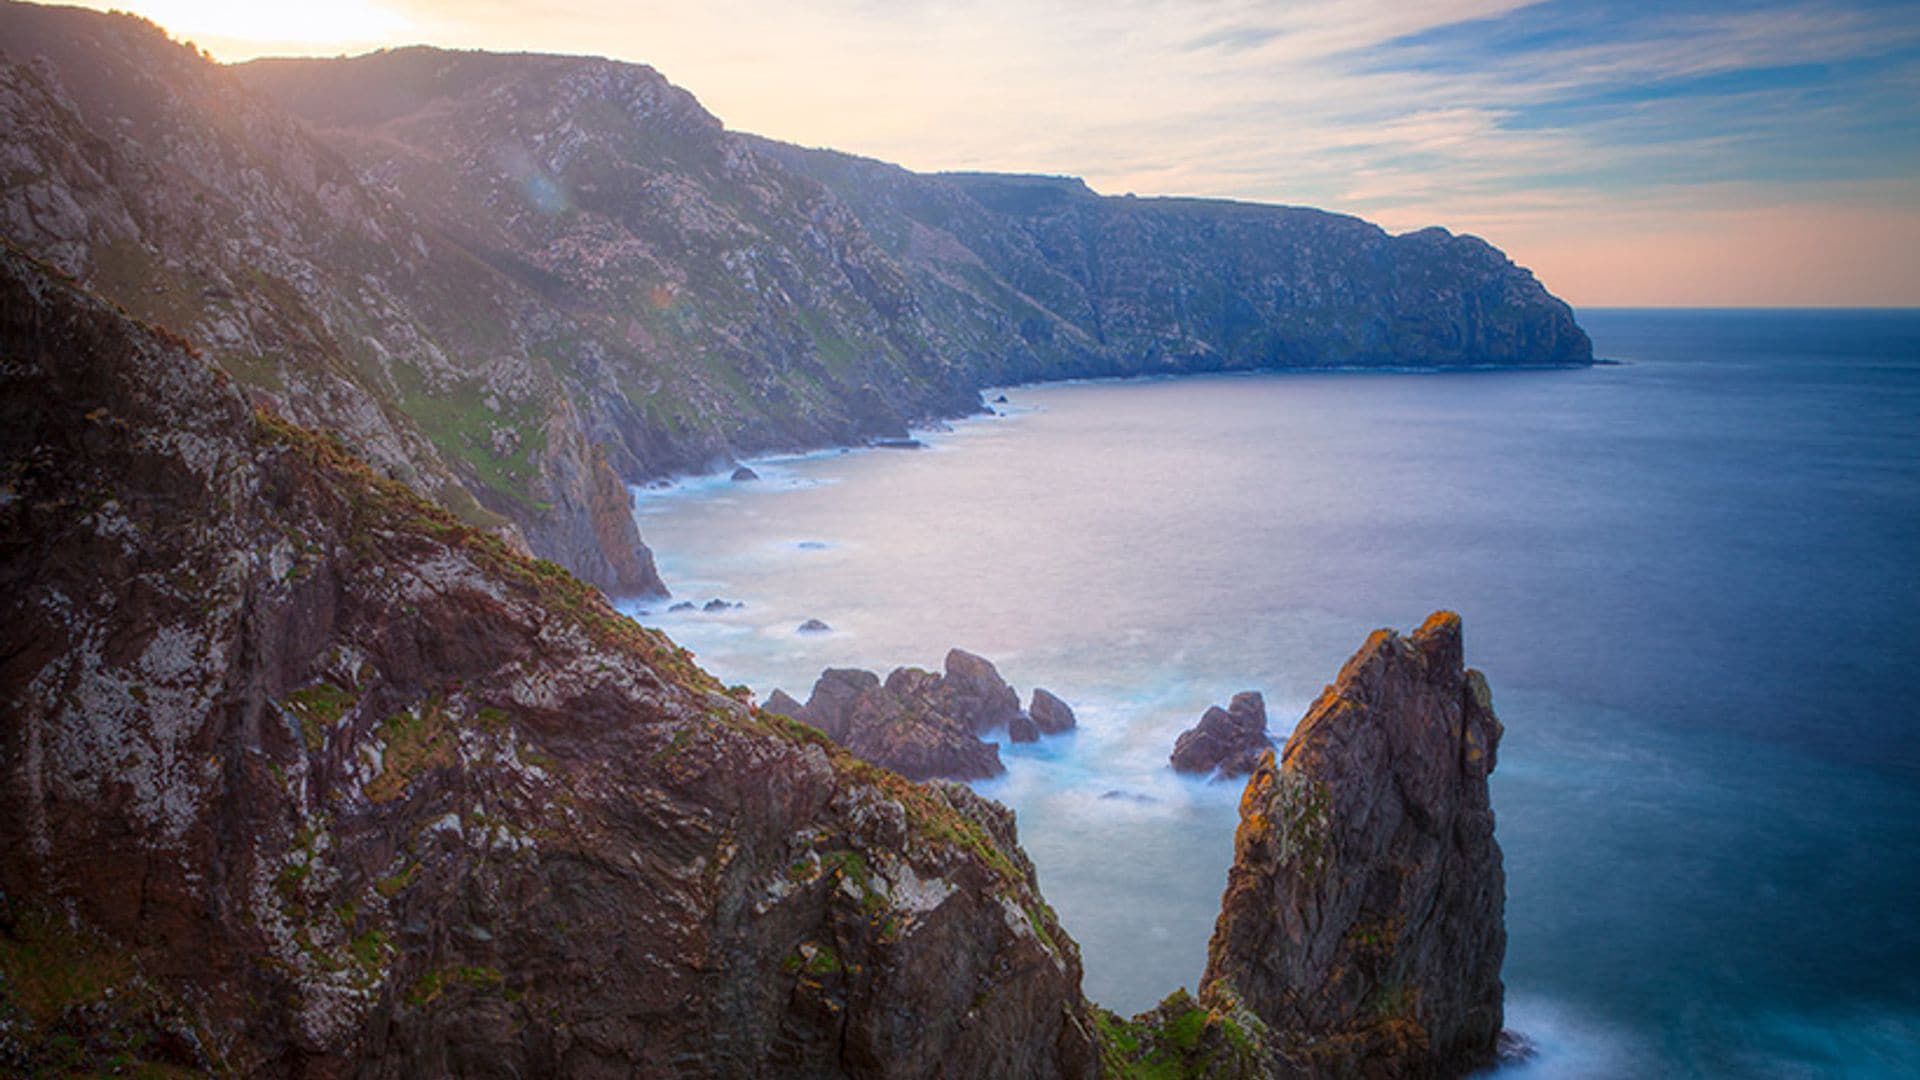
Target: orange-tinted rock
x=1363 y=917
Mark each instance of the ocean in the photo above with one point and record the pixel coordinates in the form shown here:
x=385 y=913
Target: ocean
x=1692 y=578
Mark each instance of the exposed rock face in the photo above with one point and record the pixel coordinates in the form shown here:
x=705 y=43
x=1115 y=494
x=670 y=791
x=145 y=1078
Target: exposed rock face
x=1363 y=918
x=1021 y=729
x=973 y=692
x=150 y=173
x=1138 y=286
x=1051 y=715
x=902 y=732
x=509 y=277
x=318 y=780
x=1229 y=740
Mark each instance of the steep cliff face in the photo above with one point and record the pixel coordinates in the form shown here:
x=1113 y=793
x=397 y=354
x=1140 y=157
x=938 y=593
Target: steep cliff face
x=502 y=275
x=155 y=177
x=300 y=774
x=728 y=306
x=1362 y=928
x=1143 y=286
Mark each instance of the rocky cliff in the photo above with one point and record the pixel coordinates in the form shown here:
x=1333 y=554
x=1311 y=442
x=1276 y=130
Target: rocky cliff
x=514 y=281
x=302 y=775
x=1362 y=929
x=1090 y=284
x=155 y=177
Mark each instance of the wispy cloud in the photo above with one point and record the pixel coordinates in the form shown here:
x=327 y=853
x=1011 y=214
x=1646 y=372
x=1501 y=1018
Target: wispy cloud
x=1499 y=116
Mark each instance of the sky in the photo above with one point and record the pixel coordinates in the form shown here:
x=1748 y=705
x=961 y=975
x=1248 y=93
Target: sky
x=1674 y=153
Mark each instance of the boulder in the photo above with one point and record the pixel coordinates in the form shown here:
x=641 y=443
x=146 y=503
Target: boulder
x=1051 y=715
x=903 y=733
x=813 y=626
x=1362 y=925
x=1226 y=741
x=783 y=703
x=973 y=692
x=743 y=474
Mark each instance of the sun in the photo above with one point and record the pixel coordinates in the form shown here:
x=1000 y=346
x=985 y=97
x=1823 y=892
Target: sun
x=236 y=29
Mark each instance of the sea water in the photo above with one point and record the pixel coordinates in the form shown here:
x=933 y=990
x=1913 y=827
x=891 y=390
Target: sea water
x=1692 y=578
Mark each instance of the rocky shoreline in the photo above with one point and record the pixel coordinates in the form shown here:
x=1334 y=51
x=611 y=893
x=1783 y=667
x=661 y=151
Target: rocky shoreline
x=401 y=800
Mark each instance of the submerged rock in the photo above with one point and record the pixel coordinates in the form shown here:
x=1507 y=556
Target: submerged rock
x=1362 y=926
x=898 y=444
x=717 y=604
x=1229 y=741
x=743 y=474
x=813 y=626
x=1051 y=715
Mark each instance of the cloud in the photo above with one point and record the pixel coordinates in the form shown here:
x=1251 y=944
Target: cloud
x=1411 y=114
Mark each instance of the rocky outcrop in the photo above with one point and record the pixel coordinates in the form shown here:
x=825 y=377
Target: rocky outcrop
x=902 y=732
x=152 y=174
x=1362 y=928
x=1122 y=285
x=1227 y=742
x=502 y=276
x=302 y=775
x=1050 y=715
x=973 y=692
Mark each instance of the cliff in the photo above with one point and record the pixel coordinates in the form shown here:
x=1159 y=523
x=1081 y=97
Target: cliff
x=300 y=774
x=516 y=281
x=150 y=173
x=1362 y=930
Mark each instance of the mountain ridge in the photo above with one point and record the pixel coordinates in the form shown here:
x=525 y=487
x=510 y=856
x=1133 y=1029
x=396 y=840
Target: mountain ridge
x=523 y=281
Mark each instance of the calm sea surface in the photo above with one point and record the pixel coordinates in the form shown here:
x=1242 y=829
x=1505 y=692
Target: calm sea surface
x=1693 y=580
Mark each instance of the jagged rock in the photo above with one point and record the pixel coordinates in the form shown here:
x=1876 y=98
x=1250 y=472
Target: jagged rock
x=973 y=692
x=305 y=777
x=1021 y=729
x=783 y=703
x=743 y=474
x=716 y=604
x=903 y=733
x=1226 y=741
x=684 y=605
x=1362 y=924
x=1051 y=715
x=813 y=626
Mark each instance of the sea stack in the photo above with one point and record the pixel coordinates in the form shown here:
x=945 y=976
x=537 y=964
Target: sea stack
x=1362 y=928
x=1226 y=742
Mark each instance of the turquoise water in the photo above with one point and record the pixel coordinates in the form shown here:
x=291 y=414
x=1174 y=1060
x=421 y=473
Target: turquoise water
x=1691 y=579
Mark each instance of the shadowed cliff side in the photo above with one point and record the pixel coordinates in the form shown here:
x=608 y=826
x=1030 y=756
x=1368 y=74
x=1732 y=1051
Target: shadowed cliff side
x=1362 y=929
x=300 y=775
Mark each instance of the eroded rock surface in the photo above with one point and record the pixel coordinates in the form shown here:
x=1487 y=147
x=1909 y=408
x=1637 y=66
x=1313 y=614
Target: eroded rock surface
x=1227 y=742
x=300 y=775
x=1050 y=715
x=903 y=732
x=1362 y=928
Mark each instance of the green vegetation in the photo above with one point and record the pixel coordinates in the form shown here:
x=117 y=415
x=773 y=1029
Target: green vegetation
x=415 y=741
x=317 y=708
x=49 y=968
x=1178 y=1039
x=429 y=987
